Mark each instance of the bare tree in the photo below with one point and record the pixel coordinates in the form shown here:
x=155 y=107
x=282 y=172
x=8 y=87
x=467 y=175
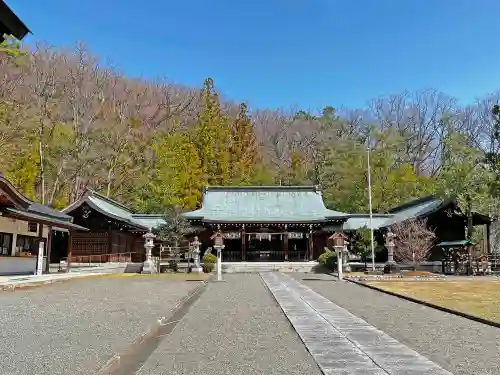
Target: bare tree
x=418 y=117
x=43 y=89
x=414 y=240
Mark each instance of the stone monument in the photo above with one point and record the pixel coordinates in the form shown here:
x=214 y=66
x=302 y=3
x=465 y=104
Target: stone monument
x=391 y=266
x=148 y=265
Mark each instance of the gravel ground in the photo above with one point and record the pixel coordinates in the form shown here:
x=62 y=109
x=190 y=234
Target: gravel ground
x=459 y=345
x=234 y=328
x=74 y=327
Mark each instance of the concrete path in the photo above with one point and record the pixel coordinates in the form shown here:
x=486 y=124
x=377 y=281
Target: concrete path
x=12 y=282
x=341 y=343
x=234 y=328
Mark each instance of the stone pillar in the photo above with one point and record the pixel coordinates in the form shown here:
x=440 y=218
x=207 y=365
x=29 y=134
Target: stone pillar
x=148 y=266
x=196 y=256
x=391 y=266
x=219 y=261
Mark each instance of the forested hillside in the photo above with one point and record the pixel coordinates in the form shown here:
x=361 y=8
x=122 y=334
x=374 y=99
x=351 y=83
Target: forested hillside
x=68 y=122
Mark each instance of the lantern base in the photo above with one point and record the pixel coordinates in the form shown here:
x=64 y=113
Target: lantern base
x=148 y=267
x=197 y=270
x=391 y=268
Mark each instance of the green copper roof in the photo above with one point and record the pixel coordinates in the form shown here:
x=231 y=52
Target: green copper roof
x=456 y=243
x=358 y=221
x=260 y=204
x=148 y=220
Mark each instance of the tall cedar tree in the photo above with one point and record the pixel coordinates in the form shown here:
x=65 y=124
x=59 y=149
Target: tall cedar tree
x=212 y=137
x=243 y=152
x=178 y=178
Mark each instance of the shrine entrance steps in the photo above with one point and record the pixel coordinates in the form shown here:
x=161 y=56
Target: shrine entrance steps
x=340 y=342
x=255 y=267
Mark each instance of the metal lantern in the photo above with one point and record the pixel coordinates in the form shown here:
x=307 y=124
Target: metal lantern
x=338 y=239
x=218 y=239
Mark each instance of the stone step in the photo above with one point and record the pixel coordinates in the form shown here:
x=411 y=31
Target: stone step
x=235 y=267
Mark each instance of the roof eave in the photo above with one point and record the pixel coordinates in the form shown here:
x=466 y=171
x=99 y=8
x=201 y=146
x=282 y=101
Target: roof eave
x=45 y=220
x=269 y=221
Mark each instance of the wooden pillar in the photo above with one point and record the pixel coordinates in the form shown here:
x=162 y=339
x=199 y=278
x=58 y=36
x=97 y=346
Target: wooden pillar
x=487 y=238
x=311 y=243
x=70 y=250
x=243 y=243
x=285 y=243
x=48 y=245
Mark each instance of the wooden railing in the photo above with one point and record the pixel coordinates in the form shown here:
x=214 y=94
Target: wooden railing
x=101 y=258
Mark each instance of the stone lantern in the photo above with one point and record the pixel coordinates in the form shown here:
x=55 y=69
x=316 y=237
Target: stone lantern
x=148 y=266
x=391 y=266
x=196 y=255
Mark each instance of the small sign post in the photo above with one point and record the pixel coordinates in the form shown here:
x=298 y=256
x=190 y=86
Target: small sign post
x=218 y=245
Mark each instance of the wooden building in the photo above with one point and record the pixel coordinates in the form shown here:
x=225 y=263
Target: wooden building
x=114 y=228
x=24 y=225
x=266 y=223
x=444 y=217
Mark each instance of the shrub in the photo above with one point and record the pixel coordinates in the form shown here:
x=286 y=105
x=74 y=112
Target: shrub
x=173 y=265
x=209 y=258
x=328 y=259
x=208 y=267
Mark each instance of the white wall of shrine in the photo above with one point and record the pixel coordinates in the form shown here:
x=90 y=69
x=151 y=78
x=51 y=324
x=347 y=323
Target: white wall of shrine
x=18 y=228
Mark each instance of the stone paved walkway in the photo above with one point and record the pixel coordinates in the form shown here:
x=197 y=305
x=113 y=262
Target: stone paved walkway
x=340 y=342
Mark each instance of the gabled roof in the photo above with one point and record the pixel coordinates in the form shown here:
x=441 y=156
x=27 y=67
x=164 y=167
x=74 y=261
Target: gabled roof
x=107 y=207
x=116 y=210
x=264 y=204
x=416 y=209
x=22 y=208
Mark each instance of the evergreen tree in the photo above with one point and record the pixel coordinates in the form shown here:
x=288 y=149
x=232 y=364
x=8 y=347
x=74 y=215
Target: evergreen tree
x=212 y=135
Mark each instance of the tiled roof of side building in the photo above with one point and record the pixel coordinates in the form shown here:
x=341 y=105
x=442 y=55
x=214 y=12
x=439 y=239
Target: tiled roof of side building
x=107 y=207
x=280 y=204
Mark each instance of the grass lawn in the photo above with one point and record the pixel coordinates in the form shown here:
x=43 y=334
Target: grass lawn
x=479 y=298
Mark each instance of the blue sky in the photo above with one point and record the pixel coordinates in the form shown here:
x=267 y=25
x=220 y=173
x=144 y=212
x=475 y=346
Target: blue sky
x=278 y=53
